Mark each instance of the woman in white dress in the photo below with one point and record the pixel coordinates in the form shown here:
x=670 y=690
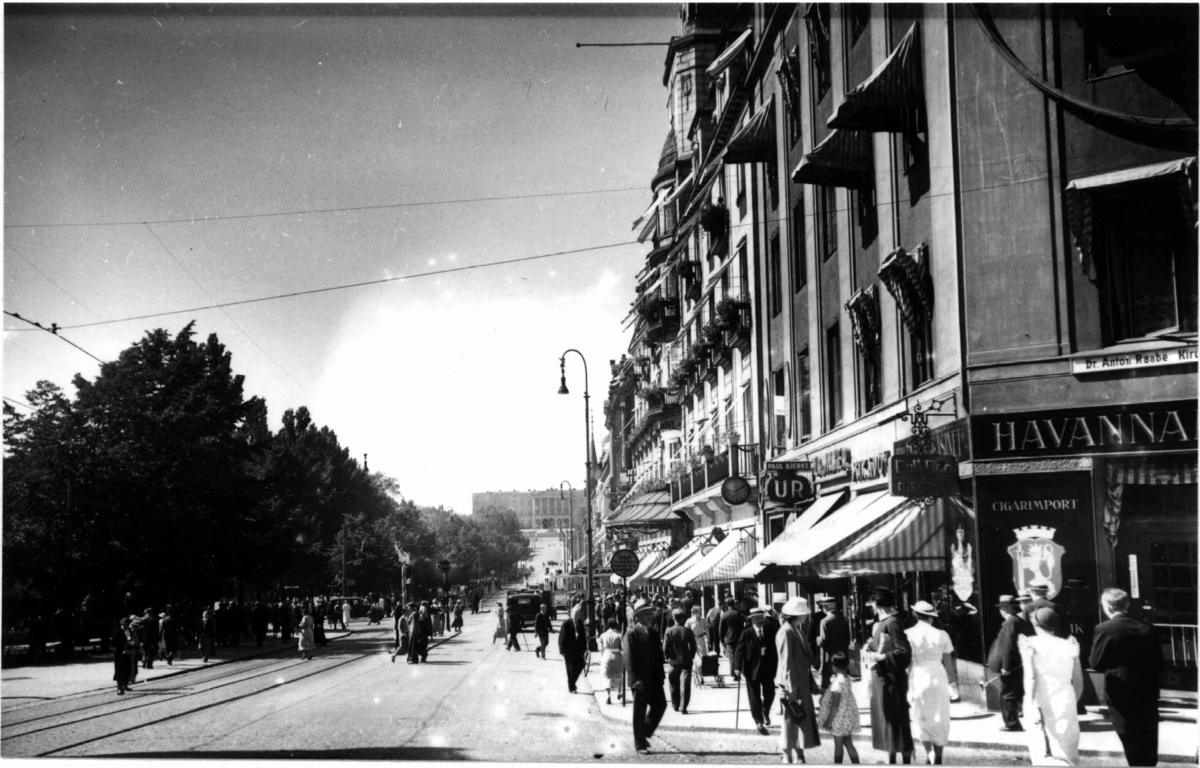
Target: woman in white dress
x=307 y=643
x=612 y=661
x=1053 y=685
x=699 y=628
x=929 y=683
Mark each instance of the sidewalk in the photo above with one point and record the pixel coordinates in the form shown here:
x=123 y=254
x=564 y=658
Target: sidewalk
x=717 y=710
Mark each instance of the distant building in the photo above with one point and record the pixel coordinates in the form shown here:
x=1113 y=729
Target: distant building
x=536 y=510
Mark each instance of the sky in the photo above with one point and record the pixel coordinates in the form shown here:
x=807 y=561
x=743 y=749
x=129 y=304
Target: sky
x=159 y=159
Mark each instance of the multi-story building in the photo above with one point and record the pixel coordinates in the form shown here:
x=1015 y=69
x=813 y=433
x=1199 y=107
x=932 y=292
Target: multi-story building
x=552 y=508
x=965 y=230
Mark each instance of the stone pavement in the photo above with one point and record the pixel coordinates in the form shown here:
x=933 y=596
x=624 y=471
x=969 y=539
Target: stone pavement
x=724 y=709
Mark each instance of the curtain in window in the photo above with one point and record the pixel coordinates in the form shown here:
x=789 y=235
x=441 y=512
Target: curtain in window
x=1163 y=470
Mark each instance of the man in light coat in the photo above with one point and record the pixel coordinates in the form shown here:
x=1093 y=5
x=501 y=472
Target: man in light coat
x=793 y=678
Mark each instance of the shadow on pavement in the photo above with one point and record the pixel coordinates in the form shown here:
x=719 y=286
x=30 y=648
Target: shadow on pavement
x=360 y=753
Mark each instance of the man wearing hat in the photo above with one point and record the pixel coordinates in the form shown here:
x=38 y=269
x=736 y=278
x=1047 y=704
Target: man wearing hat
x=730 y=630
x=679 y=649
x=644 y=666
x=793 y=677
x=1004 y=661
x=757 y=660
x=833 y=636
x=572 y=645
x=888 y=657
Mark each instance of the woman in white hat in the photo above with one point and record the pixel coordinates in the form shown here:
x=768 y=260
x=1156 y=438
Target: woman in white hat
x=793 y=678
x=928 y=682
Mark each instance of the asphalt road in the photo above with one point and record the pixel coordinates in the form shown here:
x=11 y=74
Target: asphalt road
x=472 y=701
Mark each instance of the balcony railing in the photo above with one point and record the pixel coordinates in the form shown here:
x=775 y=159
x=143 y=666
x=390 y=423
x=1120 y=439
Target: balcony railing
x=709 y=473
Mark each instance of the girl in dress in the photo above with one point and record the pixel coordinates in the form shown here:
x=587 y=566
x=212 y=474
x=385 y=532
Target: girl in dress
x=842 y=721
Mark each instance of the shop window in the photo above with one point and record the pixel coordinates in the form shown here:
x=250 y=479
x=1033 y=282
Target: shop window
x=805 y=394
x=799 y=253
x=1147 y=262
x=1173 y=575
x=776 y=277
x=827 y=241
x=1143 y=501
x=833 y=377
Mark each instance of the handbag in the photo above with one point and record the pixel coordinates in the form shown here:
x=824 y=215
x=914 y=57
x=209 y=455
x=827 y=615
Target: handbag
x=794 y=708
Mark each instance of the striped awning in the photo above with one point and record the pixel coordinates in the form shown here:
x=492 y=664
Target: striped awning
x=667 y=561
x=722 y=563
x=857 y=515
x=892 y=99
x=906 y=278
x=754 y=142
x=843 y=159
x=1157 y=470
x=686 y=557
x=648 y=508
x=1080 y=192
x=648 y=562
x=727 y=57
x=908 y=538
x=780 y=551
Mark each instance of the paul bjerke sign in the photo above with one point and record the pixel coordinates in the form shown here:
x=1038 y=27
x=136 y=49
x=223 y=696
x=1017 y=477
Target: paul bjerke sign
x=788 y=482
x=914 y=476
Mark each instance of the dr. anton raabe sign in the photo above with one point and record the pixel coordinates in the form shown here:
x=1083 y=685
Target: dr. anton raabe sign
x=914 y=476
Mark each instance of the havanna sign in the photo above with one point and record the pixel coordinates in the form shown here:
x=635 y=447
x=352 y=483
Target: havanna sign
x=1110 y=429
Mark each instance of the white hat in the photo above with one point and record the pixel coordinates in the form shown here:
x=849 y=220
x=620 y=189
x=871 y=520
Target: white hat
x=642 y=605
x=797 y=606
x=924 y=608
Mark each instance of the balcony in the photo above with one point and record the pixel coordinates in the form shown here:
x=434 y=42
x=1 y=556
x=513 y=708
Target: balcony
x=735 y=320
x=709 y=473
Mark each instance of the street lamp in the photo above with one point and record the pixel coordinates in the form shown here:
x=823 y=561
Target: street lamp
x=571 y=508
x=587 y=452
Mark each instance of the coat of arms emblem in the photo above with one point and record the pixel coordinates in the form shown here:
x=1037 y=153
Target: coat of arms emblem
x=1037 y=559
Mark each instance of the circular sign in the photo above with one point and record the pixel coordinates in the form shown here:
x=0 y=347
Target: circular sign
x=624 y=563
x=735 y=490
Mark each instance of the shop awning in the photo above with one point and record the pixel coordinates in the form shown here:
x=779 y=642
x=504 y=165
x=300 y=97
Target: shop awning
x=843 y=159
x=892 y=99
x=648 y=562
x=857 y=515
x=691 y=556
x=780 y=551
x=722 y=563
x=907 y=538
x=1080 y=192
x=754 y=142
x=668 y=561
x=651 y=507
x=727 y=57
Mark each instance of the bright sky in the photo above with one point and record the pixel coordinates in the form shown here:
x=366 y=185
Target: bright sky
x=448 y=382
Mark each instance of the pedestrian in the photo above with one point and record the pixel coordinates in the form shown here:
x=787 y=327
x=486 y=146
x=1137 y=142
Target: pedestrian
x=168 y=636
x=794 y=680
x=258 y=623
x=458 y=618
x=206 y=632
x=1040 y=598
x=346 y=615
x=400 y=629
x=501 y=630
x=149 y=638
x=888 y=657
x=713 y=621
x=612 y=660
x=814 y=634
x=1004 y=661
x=756 y=659
x=731 y=627
x=839 y=709
x=319 y=610
x=699 y=629
x=124 y=645
x=425 y=622
x=833 y=636
x=572 y=645
x=307 y=643
x=136 y=651
x=644 y=665
x=679 y=649
x=1130 y=656
x=930 y=678
x=1053 y=685
x=416 y=633
x=513 y=627
x=541 y=628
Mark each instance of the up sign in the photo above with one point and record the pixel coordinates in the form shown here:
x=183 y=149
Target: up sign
x=788 y=482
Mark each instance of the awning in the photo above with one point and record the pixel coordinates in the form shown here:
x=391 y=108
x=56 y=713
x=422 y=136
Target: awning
x=859 y=513
x=651 y=507
x=892 y=99
x=727 y=57
x=690 y=556
x=843 y=159
x=648 y=562
x=905 y=277
x=1079 y=195
x=707 y=178
x=673 y=559
x=722 y=563
x=780 y=551
x=684 y=186
x=907 y=538
x=649 y=220
x=650 y=213
x=754 y=142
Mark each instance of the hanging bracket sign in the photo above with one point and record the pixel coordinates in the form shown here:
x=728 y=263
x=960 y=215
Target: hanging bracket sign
x=624 y=563
x=915 y=476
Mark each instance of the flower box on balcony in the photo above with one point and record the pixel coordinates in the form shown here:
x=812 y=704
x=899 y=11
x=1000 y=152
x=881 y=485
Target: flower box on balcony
x=715 y=219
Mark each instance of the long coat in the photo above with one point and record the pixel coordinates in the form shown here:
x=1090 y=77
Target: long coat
x=757 y=659
x=730 y=629
x=891 y=730
x=643 y=657
x=793 y=678
x=572 y=640
x=1128 y=653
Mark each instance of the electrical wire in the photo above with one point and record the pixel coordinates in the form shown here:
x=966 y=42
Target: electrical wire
x=18 y=402
x=348 y=209
x=54 y=331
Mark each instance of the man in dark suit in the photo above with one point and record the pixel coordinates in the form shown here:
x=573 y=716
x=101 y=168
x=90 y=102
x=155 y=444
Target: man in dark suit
x=1130 y=656
x=572 y=644
x=541 y=628
x=730 y=630
x=1004 y=661
x=679 y=649
x=888 y=659
x=833 y=636
x=757 y=659
x=644 y=666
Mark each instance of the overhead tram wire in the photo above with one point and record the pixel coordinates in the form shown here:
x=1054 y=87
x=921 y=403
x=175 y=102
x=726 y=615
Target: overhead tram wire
x=18 y=402
x=346 y=286
x=53 y=330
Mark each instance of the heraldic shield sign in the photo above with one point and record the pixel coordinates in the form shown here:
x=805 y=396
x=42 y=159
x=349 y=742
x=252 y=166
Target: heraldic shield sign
x=1037 y=559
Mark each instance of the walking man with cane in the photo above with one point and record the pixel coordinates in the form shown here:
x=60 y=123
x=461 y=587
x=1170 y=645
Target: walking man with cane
x=757 y=659
x=644 y=665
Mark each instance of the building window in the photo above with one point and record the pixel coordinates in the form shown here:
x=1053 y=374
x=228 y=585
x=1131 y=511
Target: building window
x=817 y=20
x=857 y=15
x=833 y=377
x=741 y=189
x=745 y=433
x=827 y=240
x=779 y=400
x=799 y=254
x=862 y=203
x=742 y=289
x=685 y=89
x=776 y=277
x=1147 y=263
x=805 y=395
x=920 y=354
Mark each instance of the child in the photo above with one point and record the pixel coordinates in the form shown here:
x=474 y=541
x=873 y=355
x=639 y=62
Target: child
x=839 y=710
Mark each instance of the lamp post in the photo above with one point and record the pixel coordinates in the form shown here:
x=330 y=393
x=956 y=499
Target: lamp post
x=571 y=512
x=587 y=453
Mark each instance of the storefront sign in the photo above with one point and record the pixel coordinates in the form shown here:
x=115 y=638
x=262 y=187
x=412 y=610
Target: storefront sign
x=1131 y=360
x=871 y=468
x=1143 y=427
x=916 y=476
x=953 y=439
x=832 y=466
x=1037 y=560
x=788 y=482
